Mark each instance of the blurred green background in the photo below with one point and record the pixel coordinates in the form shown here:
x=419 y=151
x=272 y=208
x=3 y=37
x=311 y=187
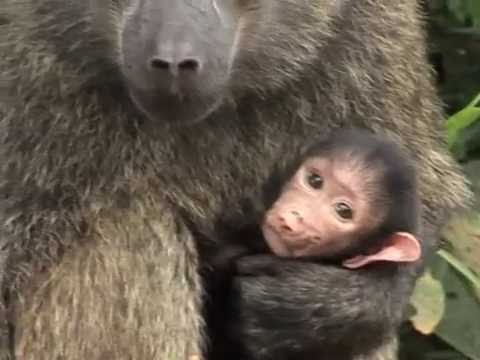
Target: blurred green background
x=445 y=308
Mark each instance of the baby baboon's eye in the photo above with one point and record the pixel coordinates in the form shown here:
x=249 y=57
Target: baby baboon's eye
x=344 y=210
x=315 y=181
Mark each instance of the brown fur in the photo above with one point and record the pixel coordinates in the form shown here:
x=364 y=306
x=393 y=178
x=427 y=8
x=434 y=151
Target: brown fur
x=101 y=265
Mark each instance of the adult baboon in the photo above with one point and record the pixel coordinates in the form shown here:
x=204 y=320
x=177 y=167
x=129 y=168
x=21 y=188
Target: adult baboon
x=126 y=125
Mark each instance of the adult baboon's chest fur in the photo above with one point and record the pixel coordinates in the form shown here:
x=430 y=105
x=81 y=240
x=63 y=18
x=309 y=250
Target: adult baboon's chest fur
x=111 y=166
x=209 y=177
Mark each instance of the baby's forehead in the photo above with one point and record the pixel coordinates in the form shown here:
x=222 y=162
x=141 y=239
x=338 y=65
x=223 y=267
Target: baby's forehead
x=351 y=170
x=344 y=164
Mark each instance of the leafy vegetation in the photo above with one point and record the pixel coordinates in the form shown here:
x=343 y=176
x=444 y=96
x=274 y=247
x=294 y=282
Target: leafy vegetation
x=445 y=317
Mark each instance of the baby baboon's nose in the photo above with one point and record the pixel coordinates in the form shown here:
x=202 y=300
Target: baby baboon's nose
x=291 y=221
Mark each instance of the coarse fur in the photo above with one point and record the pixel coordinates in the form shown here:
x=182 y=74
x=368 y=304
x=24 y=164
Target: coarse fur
x=99 y=260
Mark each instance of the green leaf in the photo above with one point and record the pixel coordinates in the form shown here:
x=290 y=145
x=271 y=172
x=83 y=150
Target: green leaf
x=456 y=9
x=428 y=300
x=460 y=325
x=475 y=12
x=462 y=232
x=461 y=268
x=461 y=120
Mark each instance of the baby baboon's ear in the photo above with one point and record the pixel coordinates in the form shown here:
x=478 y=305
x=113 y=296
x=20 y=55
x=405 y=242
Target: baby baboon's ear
x=399 y=247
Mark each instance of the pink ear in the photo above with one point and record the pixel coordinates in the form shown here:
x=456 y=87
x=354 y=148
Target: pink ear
x=399 y=247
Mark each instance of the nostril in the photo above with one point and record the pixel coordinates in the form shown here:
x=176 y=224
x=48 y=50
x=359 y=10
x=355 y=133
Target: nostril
x=287 y=228
x=297 y=215
x=186 y=65
x=160 y=64
x=189 y=64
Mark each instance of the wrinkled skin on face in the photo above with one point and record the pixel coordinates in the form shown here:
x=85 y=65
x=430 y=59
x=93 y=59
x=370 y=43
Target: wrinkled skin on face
x=317 y=213
x=324 y=211
x=181 y=71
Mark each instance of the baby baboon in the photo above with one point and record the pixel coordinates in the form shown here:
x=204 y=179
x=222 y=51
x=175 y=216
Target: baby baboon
x=124 y=121
x=350 y=200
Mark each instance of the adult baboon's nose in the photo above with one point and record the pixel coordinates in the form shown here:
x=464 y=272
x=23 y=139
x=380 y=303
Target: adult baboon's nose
x=175 y=63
